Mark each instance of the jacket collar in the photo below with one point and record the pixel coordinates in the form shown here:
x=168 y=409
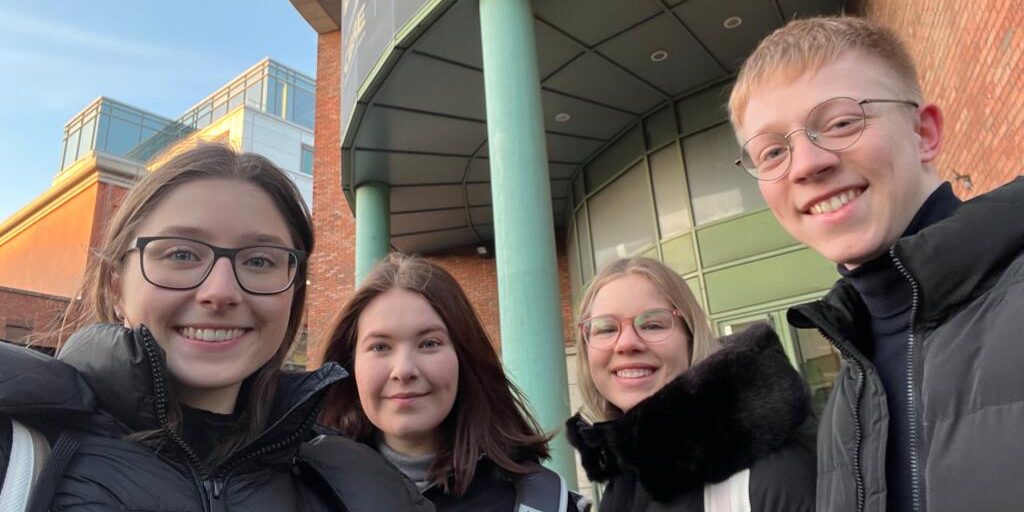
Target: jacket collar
x=717 y=418
x=126 y=370
x=974 y=245
x=952 y=262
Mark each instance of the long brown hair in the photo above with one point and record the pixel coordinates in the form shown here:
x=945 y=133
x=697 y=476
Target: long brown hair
x=97 y=298
x=675 y=290
x=489 y=415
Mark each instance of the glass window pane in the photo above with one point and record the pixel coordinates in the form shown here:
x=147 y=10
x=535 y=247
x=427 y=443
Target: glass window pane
x=586 y=256
x=670 y=191
x=254 y=95
x=101 y=133
x=86 y=139
x=660 y=127
x=235 y=101
x=122 y=136
x=573 y=255
x=819 y=363
x=71 y=148
x=307 y=160
x=614 y=159
x=621 y=212
x=272 y=99
x=219 y=110
x=303 y=107
x=718 y=188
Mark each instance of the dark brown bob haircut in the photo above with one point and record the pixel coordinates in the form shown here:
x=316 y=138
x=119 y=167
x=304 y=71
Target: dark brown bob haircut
x=489 y=416
x=95 y=302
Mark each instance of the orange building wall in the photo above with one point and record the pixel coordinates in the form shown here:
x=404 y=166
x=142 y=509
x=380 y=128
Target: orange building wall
x=970 y=57
x=49 y=257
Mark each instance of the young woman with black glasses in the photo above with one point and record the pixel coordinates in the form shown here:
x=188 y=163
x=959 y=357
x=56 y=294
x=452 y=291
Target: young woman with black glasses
x=170 y=394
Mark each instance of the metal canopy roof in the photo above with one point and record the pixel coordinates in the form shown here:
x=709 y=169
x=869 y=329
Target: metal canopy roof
x=419 y=123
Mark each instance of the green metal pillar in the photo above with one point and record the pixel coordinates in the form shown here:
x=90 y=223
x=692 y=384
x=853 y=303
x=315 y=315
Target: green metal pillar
x=532 y=342
x=373 y=226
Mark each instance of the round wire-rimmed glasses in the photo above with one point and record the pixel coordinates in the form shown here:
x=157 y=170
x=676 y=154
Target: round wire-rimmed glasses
x=651 y=325
x=833 y=125
x=178 y=263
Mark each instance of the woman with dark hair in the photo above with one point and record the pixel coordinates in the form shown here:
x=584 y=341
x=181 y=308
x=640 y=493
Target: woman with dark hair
x=430 y=394
x=170 y=396
x=675 y=420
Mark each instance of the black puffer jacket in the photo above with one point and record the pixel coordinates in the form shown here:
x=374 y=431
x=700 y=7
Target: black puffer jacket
x=496 y=490
x=744 y=407
x=110 y=382
x=965 y=359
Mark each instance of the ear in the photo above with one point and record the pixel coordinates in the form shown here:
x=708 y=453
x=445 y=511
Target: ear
x=929 y=132
x=115 y=293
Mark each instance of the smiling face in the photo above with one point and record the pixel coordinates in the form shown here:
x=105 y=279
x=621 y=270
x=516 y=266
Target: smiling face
x=406 y=370
x=632 y=369
x=850 y=205
x=215 y=335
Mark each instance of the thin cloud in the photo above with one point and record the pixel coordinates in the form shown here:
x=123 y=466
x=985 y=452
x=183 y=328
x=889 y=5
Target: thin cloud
x=63 y=34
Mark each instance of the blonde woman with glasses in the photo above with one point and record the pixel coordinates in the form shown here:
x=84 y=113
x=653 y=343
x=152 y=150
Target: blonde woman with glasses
x=675 y=420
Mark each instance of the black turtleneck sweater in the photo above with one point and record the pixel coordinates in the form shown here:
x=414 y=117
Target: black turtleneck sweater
x=888 y=296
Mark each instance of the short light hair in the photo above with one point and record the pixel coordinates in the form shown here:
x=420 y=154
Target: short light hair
x=675 y=290
x=807 y=45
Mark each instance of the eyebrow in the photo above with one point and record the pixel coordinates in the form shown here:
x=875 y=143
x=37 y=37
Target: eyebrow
x=436 y=328
x=197 y=232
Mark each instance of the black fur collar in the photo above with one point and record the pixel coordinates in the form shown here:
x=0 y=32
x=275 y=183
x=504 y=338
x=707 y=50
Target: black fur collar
x=724 y=413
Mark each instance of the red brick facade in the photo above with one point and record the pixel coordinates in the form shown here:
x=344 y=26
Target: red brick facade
x=332 y=266
x=970 y=56
x=34 y=312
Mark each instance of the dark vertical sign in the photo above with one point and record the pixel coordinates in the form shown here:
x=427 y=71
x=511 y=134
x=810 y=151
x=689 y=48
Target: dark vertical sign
x=369 y=28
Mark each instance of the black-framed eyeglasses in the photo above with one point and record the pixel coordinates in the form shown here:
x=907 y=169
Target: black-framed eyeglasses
x=178 y=263
x=651 y=325
x=833 y=125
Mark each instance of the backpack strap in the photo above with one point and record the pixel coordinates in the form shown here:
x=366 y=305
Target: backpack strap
x=29 y=451
x=541 y=491
x=65 y=448
x=732 y=495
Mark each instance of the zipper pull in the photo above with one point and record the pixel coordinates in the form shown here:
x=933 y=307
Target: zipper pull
x=214 y=488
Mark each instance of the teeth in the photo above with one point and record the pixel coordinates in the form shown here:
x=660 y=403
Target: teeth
x=210 y=334
x=835 y=202
x=634 y=373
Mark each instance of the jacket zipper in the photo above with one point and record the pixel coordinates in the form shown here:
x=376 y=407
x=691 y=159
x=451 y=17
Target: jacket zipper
x=210 y=486
x=915 y=479
x=858 y=433
x=160 y=395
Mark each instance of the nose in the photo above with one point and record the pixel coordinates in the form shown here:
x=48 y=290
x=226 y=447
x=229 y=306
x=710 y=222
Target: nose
x=629 y=341
x=404 y=368
x=808 y=162
x=220 y=290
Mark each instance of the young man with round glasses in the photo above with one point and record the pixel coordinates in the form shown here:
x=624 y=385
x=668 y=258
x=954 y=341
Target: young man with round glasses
x=928 y=410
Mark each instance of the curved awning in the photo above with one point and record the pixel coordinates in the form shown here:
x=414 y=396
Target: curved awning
x=413 y=112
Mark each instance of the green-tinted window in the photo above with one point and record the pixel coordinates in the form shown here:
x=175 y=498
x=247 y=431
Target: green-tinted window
x=719 y=189
x=622 y=223
x=307 y=160
x=670 y=191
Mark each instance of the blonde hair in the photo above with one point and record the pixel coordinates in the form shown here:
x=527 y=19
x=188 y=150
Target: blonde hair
x=702 y=341
x=807 y=45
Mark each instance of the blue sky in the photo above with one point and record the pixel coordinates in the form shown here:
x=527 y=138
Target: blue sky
x=57 y=56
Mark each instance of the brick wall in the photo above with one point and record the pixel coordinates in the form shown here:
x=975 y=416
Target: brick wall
x=478 y=277
x=37 y=312
x=970 y=57
x=332 y=265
